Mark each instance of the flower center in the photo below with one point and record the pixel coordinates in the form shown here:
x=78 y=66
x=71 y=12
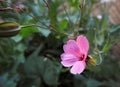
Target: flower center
x=81 y=57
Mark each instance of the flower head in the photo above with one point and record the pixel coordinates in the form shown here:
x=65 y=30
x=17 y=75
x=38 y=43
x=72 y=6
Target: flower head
x=75 y=54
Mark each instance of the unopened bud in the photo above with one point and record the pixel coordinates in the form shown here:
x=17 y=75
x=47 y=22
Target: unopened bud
x=91 y=61
x=8 y=29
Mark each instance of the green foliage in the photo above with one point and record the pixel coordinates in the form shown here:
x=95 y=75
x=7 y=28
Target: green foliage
x=4 y=82
x=93 y=83
x=38 y=66
x=42 y=68
x=25 y=32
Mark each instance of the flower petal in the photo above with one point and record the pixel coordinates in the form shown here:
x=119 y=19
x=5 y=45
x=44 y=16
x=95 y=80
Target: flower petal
x=68 y=59
x=78 y=67
x=83 y=44
x=66 y=56
x=72 y=48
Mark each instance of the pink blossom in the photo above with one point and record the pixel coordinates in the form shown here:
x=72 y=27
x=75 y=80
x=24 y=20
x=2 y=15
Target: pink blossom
x=75 y=54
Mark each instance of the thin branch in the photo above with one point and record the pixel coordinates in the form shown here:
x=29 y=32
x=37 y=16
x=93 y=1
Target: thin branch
x=32 y=25
x=46 y=4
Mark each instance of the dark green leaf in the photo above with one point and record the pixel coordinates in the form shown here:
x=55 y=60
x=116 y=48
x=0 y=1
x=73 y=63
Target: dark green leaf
x=25 y=32
x=93 y=83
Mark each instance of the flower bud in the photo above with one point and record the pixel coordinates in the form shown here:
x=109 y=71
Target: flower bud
x=8 y=29
x=91 y=61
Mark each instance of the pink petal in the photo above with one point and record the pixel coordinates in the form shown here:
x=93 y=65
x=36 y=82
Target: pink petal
x=68 y=59
x=72 y=48
x=78 y=67
x=66 y=56
x=83 y=44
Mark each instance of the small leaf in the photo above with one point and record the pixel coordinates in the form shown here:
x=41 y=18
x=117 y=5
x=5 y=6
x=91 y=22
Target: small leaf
x=113 y=29
x=51 y=73
x=45 y=32
x=25 y=32
x=8 y=82
x=17 y=38
x=93 y=83
x=100 y=39
x=34 y=66
x=106 y=47
x=105 y=22
x=63 y=24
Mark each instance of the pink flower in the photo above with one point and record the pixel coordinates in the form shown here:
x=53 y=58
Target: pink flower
x=75 y=54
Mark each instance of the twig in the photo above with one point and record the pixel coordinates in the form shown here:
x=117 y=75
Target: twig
x=46 y=4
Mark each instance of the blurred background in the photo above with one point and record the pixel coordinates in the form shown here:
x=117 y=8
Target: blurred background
x=33 y=32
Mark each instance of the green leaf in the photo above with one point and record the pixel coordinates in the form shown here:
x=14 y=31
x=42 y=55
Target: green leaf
x=36 y=82
x=34 y=66
x=7 y=82
x=90 y=36
x=51 y=72
x=17 y=38
x=106 y=47
x=26 y=31
x=19 y=46
x=100 y=39
x=42 y=67
x=104 y=22
x=10 y=84
x=93 y=83
x=45 y=32
x=63 y=25
x=113 y=29
x=79 y=81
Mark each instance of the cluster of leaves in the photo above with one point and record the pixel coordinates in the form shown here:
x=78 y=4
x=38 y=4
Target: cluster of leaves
x=32 y=58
